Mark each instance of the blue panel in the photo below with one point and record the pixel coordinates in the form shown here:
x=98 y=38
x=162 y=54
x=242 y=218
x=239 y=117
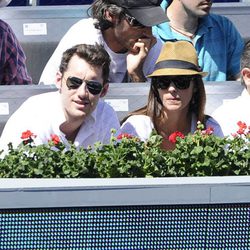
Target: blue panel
x=19 y=3
x=221 y=226
x=225 y=1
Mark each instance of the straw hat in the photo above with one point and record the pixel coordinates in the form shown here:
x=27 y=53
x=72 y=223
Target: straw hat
x=177 y=58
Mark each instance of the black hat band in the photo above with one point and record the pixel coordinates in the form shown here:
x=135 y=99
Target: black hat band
x=176 y=64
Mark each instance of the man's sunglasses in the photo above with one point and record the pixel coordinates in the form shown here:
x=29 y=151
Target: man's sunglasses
x=94 y=87
x=133 y=22
x=180 y=82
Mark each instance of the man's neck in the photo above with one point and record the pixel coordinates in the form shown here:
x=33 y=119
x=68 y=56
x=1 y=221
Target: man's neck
x=110 y=40
x=180 y=19
x=70 y=129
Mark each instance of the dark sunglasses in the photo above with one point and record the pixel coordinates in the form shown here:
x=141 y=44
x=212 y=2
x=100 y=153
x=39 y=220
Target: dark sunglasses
x=180 y=82
x=94 y=87
x=133 y=22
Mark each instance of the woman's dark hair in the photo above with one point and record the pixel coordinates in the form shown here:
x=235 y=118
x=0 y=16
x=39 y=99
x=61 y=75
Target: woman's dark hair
x=95 y=55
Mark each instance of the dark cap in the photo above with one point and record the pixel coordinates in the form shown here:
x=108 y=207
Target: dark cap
x=147 y=12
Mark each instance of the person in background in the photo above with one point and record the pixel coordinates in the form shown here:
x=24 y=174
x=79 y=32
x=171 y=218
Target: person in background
x=237 y=110
x=13 y=69
x=75 y=112
x=124 y=28
x=215 y=38
x=177 y=98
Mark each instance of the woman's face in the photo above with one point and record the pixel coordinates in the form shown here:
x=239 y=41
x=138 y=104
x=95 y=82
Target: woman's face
x=176 y=93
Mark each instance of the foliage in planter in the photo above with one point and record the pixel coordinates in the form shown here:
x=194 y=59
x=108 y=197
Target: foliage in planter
x=200 y=154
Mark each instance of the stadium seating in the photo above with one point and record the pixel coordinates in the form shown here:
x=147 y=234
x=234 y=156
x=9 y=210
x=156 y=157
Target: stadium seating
x=62 y=2
x=40 y=28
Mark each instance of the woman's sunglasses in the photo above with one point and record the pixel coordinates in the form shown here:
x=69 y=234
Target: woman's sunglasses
x=180 y=82
x=94 y=87
x=133 y=22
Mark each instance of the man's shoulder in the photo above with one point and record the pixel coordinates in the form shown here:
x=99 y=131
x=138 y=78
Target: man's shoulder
x=229 y=106
x=44 y=99
x=216 y=19
x=104 y=109
x=84 y=23
x=5 y=27
x=83 y=31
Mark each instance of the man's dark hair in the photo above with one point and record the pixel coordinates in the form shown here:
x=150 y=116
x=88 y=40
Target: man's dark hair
x=95 y=55
x=245 y=57
x=98 y=10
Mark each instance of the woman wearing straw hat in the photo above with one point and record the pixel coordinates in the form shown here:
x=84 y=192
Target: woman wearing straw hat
x=177 y=98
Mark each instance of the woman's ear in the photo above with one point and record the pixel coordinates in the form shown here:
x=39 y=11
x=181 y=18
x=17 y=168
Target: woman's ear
x=104 y=90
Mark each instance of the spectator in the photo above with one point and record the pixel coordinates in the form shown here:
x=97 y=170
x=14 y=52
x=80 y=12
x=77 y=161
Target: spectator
x=217 y=42
x=74 y=112
x=13 y=68
x=124 y=28
x=176 y=99
x=237 y=110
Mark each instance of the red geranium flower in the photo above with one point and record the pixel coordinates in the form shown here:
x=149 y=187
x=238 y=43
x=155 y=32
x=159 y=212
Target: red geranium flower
x=55 y=139
x=209 y=130
x=242 y=127
x=27 y=135
x=173 y=136
x=124 y=135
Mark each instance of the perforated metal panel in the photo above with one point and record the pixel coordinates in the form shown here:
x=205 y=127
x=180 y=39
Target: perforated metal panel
x=224 y=226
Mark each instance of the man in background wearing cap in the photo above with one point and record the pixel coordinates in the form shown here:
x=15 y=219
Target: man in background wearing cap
x=12 y=58
x=124 y=28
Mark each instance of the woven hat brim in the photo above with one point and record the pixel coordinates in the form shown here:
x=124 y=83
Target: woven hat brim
x=173 y=72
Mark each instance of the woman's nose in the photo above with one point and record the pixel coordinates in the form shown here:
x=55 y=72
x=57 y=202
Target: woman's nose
x=172 y=87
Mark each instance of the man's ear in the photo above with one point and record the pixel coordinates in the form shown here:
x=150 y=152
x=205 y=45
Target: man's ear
x=245 y=72
x=59 y=79
x=110 y=17
x=104 y=90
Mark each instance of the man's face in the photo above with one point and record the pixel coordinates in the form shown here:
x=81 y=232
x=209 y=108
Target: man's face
x=197 y=8
x=127 y=35
x=78 y=103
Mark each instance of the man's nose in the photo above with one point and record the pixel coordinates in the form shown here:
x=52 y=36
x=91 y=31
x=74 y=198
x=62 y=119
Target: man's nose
x=82 y=90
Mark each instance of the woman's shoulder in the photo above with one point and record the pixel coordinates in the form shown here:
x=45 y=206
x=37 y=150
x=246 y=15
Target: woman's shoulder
x=138 y=125
x=138 y=118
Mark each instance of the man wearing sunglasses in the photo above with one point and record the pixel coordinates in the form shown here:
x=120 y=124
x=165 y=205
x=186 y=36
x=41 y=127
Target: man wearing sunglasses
x=74 y=112
x=124 y=28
